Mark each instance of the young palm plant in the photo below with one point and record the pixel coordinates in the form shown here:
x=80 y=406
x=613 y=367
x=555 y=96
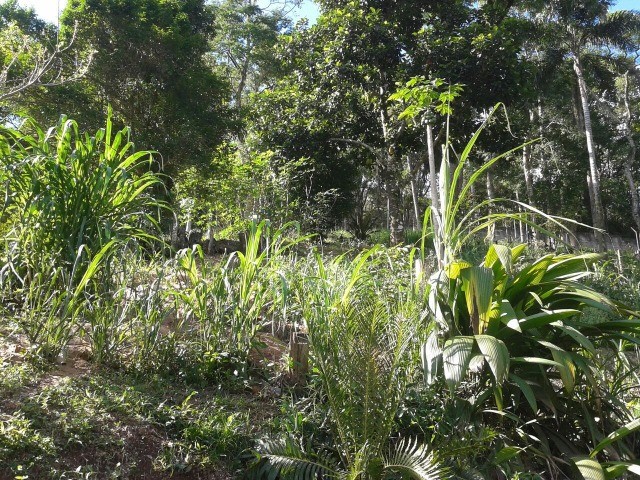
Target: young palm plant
x=362 y=348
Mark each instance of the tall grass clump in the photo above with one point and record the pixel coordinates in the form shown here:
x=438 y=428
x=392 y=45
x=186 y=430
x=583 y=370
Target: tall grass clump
x=71 y=202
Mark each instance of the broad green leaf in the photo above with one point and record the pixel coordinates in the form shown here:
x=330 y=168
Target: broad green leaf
x=431 y=355
x=516 y=252
x=478 y=288
x=496 y=354
x=537 y=360
x=568 y=370
x=568 y=265
x=528 y=276
x=453 y=269
x=508 y=317
x=456 y=356
x=506 y=453
x=500 y=253
x=546 y=317
x=581 y=339
x=589 y=468
x=589 y=297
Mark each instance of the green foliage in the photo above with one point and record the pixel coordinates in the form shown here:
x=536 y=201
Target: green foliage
x=68 y=191
x=99 y=422
x=224 y=306
x=235 y=188
x=421 y=97
x=17 y=436
x=72 y=202
x=243 y=46
x=157 y=82
x=517 y=324
x=362 y=349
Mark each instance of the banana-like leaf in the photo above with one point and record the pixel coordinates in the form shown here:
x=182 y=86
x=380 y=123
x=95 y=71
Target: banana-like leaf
x=431 y=355
x=411 y=459
x=568 y=370
x=478 y=286
x=508 y=317
x=456 y=356
x=517 y=251
x=453 y=269
x=499 y=253
x=529 y=276
x=589 y=468
x=567 y=265
x=546 y=317
x=496 y=354
x=537 y=360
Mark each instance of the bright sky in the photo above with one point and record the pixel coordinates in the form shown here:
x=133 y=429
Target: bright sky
x=48 y=9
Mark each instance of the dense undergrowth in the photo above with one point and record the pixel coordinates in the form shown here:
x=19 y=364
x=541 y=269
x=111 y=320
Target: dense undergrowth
x=463 y=360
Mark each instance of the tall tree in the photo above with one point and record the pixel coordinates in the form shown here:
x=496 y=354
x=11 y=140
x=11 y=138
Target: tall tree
x=243 y=46
x=149 y=65
x=579 y=27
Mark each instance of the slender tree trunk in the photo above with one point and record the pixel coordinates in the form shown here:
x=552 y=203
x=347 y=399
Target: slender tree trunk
x=631 y=156
x=520 y=224
x=490 y=195
x=433 y=174
x=394 y=199
x=594 y=174
x=392 y=172
x=239 y=93
x=526 y=165
x=414 y=193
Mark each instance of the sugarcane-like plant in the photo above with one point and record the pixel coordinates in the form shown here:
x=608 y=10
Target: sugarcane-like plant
x=72 y=201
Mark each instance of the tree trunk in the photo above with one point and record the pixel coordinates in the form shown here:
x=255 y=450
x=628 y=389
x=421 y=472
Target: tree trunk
x=392 y=171
x=433 y=174
x=594 y=174
x=631 y=156
x=414 y=194
x=490 y=195
x=394 y=198
x=526 y=166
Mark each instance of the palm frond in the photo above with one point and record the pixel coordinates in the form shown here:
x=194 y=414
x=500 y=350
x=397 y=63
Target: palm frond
x=413 y=459
x=285 y=459
x=617 y=29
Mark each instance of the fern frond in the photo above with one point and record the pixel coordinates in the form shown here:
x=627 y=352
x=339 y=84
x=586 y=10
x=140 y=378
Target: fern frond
x=285 y=459
x=410 y=458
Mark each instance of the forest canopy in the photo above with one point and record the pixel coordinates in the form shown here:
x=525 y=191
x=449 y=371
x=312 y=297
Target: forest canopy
x=341 y=123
